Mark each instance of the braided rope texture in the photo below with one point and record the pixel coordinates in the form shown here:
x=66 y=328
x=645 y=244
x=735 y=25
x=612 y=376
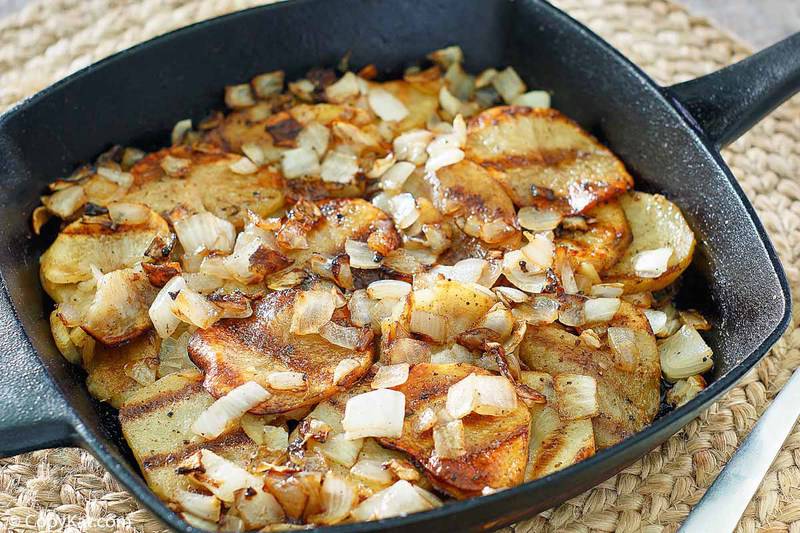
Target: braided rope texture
x=67 y=490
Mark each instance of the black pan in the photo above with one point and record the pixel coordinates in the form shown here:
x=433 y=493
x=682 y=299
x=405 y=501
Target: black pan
x=668 y=137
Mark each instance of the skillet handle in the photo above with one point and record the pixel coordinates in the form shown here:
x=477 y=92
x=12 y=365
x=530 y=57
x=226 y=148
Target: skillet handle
x=33 y=412
x=728 y=102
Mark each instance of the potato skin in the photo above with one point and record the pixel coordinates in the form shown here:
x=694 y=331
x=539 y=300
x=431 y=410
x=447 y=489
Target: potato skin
x=606 y=240
x=655 y=223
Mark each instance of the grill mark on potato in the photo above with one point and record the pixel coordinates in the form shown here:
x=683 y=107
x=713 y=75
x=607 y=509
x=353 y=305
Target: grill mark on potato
x=236 y=437
x=284 y=129
x=131 y=412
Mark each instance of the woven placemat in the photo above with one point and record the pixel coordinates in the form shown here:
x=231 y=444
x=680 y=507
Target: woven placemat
x=67 y=490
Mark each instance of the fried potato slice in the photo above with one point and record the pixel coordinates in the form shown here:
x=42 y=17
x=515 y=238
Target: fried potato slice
x=348 y=218
x=109 y=370
x=156 y=422
x=235 y=351
x=554 y=443
x=119 y=310
x=544 y=159
x=655 y=223
x=205 y=184
x=628 y=398
x=95 y=241
x=604 y=242
x=497 y=446
x=458 y=305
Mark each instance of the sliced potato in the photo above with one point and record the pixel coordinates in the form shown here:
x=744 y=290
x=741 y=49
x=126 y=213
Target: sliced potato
x=109 y=370
x=446 y=309
x=655 y=223
x=556 y=444
x=207 y=184
x=604 y=242
x=544 y=159
x=628 y=399
x=235 y=351
x=95 y=241
x=156 y=422
x=421 y=98
x=496 y=446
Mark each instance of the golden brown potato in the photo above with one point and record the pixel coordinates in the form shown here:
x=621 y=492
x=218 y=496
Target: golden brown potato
x=205 y=184
x=420 y=98
x=497 y=446
x=156 y=422
x=603 y=243
x=110 y=368
x=655 y=223
x=542 y=158
x=95 y=241
x=628 y=399
x=234 y=351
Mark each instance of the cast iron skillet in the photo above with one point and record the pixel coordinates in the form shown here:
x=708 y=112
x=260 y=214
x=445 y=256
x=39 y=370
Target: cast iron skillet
x=668 y=137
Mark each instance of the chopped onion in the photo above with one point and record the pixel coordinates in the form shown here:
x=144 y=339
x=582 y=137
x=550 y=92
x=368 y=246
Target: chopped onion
x=179 y=131
x=344 y=88
x=257 y=508
x=300 y=162
x=591 y=338
x=462 y=397
x=312 y=310
x=128 y=213
x=539 y=251
x=651 y=263
x=576 y=396
x=657 y=320
x=62 y=339
x=229 y=408
x=534 y=219
x=243 y=166
x=685 y=389
x=388 y=288
x=287 y=381
x=175 y=166
x=539 y=99
x=372 y=471
x=200 y=505
x=541 y=310
x=381 y=166
x=239 y=96
x=195 y=309
x=66 y=201
x=512 y=295
x=339 y=166
x=508 y=84
x=684 y=354
x=449 y=103
x=572 y=313
x=425 y=421
x=694 y=319
x=344 y=368
x=403 y=210
x=355 y=136
x=448 y=56
x=448 y=440
x=400 y=499
x=346 y=337
x=378 y=413
x=314 y=136
x=443 y=159
x=268 y=84
x=386 y=105
x=389 y=376
x=340 y=449
x=429 y=324
x=394 y=178
x=205 y=232
x=199 y=523
x=498 y=319
x=360 y=307
x=607 y=290
x=164 y=320
x=141 y=372
x=123 y=179
x=515 y=269
x=361 y=256
x=567 y=275
x=470 y=270
x=623 y=344
x=338 y=498
x=411 y=145
x=220 y=476
x=600 y=309
x=486 y=395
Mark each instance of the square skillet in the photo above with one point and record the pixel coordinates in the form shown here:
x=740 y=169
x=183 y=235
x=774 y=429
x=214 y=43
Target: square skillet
x=668 y=138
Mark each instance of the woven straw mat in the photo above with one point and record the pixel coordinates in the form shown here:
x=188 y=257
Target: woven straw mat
x=67 y=490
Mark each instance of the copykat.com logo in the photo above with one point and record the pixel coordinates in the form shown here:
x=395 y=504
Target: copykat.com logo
x=66 y=524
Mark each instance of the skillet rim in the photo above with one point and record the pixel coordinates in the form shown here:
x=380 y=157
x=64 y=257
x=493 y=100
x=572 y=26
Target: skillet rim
x=666 y=425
